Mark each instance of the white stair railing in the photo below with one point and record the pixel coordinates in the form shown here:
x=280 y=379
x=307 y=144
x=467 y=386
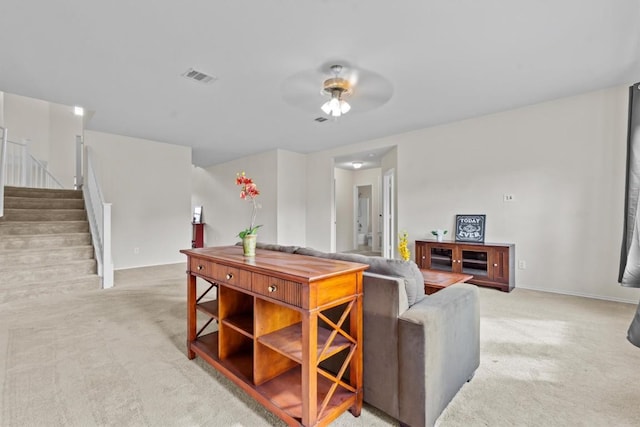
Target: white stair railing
x=21 y=169
x=99 y=214
x=3 y=158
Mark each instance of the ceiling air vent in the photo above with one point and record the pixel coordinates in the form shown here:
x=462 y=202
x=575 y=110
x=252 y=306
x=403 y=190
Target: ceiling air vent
x=320 y=119
x=198 y=76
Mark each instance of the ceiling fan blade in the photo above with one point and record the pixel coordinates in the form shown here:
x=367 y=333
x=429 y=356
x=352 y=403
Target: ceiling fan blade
x=372 y=91
x=303 y=90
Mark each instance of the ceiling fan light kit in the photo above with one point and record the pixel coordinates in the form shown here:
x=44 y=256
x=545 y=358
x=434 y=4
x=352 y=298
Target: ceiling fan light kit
x=336 y=87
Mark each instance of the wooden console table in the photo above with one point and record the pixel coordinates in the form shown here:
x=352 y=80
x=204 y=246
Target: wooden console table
x=273 y=331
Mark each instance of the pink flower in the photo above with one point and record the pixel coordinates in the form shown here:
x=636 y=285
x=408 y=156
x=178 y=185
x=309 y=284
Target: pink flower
x=249 y=191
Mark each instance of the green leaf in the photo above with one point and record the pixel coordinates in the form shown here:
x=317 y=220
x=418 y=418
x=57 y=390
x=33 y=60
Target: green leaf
x=249 y=231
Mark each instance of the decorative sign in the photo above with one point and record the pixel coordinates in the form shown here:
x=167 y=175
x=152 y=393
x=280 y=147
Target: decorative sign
x=470 y=228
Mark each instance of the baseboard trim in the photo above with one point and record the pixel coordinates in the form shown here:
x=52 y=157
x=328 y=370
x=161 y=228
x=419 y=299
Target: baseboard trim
x=579 y=294
x=150 y=265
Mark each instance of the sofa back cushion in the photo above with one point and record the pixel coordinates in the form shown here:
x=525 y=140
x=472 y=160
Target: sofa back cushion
x=407 y=270
x=279 y=248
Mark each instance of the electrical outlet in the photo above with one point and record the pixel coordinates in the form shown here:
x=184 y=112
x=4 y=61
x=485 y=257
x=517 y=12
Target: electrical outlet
x=522 y=264
x=508 y=197
x=136 y=251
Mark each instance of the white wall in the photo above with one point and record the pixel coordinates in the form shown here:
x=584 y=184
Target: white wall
x=291 y=198
x=51 y=130
x=63 y=128
x=281 y=178
x=224 y=213
x=27 y=119
x=564 y=162
x=149 y=185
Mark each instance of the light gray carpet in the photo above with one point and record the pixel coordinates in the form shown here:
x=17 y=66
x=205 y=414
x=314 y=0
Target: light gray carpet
x=117 y=357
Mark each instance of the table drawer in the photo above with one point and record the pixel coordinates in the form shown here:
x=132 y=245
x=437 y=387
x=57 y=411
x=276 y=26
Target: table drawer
x=201 y=267
x=232 y=276
x=276 y=288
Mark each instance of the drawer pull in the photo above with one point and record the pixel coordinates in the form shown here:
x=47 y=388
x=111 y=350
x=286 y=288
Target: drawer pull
x=200 y=267
x=272 y=288
x=495 y=265
x=229 y=276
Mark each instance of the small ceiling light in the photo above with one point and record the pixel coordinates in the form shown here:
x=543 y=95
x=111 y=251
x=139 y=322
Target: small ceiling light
x=336 y=87
x=356 y=165
x=78 y=111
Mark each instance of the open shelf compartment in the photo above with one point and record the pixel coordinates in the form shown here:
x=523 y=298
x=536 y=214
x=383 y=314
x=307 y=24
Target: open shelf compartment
x=288 y=341
x=210 y=308
x=285 y=391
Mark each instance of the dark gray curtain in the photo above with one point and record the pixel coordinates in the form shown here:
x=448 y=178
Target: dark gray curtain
x=630 y=254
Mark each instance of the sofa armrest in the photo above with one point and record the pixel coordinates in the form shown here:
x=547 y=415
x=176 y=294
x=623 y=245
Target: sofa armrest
x=385 y=298
x=439 y=350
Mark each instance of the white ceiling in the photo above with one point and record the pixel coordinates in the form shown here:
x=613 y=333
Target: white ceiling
x=444 y=60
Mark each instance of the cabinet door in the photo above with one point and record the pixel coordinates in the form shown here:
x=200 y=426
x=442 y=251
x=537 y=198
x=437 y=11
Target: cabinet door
x=421 y=255
x=441 y=257
x=475 y=261
x=500 y=264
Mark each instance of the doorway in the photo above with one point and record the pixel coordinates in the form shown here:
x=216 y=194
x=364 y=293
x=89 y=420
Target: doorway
x=363 y=218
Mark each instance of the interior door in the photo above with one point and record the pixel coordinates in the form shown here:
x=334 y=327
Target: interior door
x=388 y=219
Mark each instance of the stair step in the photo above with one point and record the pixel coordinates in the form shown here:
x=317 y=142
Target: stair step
x=41 y=192
x=24 y=291
x=33 y=257
x=42 y=203
x=43 y=241
x=45 y=244
x=19 y=228
x=44 y=215
x=13 y=276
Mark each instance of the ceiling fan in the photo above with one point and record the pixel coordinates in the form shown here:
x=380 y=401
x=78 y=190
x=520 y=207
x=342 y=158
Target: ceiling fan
x=347 y=89
x=337 y=88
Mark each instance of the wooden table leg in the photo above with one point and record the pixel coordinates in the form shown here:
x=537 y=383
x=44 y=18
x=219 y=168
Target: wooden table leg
x=309 y=372
x=356 y=366
x=191 y=313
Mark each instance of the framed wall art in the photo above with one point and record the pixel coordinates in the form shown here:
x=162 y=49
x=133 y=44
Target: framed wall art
x=197 y=215
x=470 y=228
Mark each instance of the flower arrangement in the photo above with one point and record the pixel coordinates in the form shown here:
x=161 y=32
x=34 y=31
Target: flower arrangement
x=403 y=248
x=249 y=191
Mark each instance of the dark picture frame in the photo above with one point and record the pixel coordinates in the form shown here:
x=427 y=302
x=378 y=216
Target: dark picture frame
x=470 y=228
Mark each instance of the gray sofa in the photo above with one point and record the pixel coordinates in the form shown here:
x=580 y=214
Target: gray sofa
x=418 y=350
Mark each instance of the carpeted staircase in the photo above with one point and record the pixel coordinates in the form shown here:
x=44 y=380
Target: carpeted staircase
x=45 y=244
